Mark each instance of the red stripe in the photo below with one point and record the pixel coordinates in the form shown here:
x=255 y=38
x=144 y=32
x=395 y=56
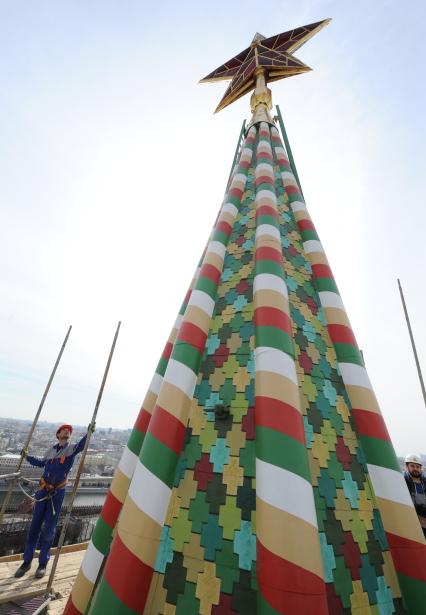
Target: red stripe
x=187 y=296
x=370 y=424
x=70 y=608
x=142 y=421
x=268 y=254
x=210 y=271
x=341 y=334
x=408 y=556
x=292 y=189
x=167 y=350
x=263 y=155
x=224 y=227
x=306 y=225
x=264 y=179
x=275 y=414
x=167 y=429
x=250 y=140
x=193 y=335
x=111 y=509
x=322 y=271
x=289 y=589
x=272 y=317
x=236 y=192
x=127 y=576
x=266 y=210
x=244 y=164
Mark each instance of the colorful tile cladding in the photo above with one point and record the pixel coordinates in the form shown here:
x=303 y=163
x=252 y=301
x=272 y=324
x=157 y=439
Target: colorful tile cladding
x=254 y=485
x=207 y=560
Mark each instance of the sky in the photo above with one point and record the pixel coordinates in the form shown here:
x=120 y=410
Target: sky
x=113 y=168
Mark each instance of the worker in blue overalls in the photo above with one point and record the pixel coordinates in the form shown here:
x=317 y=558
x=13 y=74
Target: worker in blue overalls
x=57 y=462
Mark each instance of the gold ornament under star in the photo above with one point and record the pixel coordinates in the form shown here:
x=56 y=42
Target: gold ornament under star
x=269 y=57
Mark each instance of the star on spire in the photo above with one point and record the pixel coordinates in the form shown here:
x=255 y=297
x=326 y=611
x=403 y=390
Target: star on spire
x=273 y=54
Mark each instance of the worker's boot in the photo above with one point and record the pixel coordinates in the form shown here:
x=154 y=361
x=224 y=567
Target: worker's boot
x=23 y=568
x=40 y=572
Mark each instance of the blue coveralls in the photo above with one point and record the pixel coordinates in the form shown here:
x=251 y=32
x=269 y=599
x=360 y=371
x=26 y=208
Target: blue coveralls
x=57 y=463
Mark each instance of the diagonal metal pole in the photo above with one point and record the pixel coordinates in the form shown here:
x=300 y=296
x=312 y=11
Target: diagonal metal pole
x=33 y=426
x=416 y=358
x=80 y=468
x=288 y=148
x=243 y=128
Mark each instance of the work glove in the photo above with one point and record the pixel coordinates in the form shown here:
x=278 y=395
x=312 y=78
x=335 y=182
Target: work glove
x=24 y=453
x=91 y=427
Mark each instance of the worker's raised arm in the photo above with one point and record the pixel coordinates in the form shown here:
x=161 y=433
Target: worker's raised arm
x=39 y=463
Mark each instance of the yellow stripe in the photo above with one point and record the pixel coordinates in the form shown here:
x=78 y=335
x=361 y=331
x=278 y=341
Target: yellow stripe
x=401 y=520
x=139 y=533
x=288 y=537
x=227 y=217
x=266 y=200
x=301 y=215
x=81 y=592
x=362 y=398
x=198 y=317
x=268 y=384
x=317 y=258
x=336 y=316
x=174 y=400
x=120 y=485
x=149 y=401
x=211 y=258
x=271 y=298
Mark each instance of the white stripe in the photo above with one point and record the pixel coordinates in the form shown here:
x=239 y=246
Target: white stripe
x=280 y=151
x=218 y=248
x=389 y=485
x=181 y=377
x=202 y=300
x=92 y=562
x=268 y=229
x=272 y=360
x=263 y=166
x=157 y=379
x=355 y=375
x=266 y=194
x=240 y=177
x=150 y=494
x=127 y=462
x=268 y=281
x=331 y=300
x=298 y=206
x=246 y=154
x=286 y=491
x=230 y=209
x=288 y=177
x=312 y=245
x=178 y=321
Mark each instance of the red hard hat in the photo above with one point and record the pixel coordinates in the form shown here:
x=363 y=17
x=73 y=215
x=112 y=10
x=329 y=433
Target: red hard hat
x=69 y=427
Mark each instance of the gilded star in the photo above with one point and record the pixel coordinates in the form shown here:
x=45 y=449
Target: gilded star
x=274 y=54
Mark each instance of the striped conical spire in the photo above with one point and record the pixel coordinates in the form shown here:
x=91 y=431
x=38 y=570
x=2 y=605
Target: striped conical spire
x=260 y=477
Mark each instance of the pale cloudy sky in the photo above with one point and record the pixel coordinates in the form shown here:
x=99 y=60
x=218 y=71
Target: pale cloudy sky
x=112 y=170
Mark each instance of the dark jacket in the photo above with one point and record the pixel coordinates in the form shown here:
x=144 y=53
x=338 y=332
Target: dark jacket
x=420 y=508
x=57 y=461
